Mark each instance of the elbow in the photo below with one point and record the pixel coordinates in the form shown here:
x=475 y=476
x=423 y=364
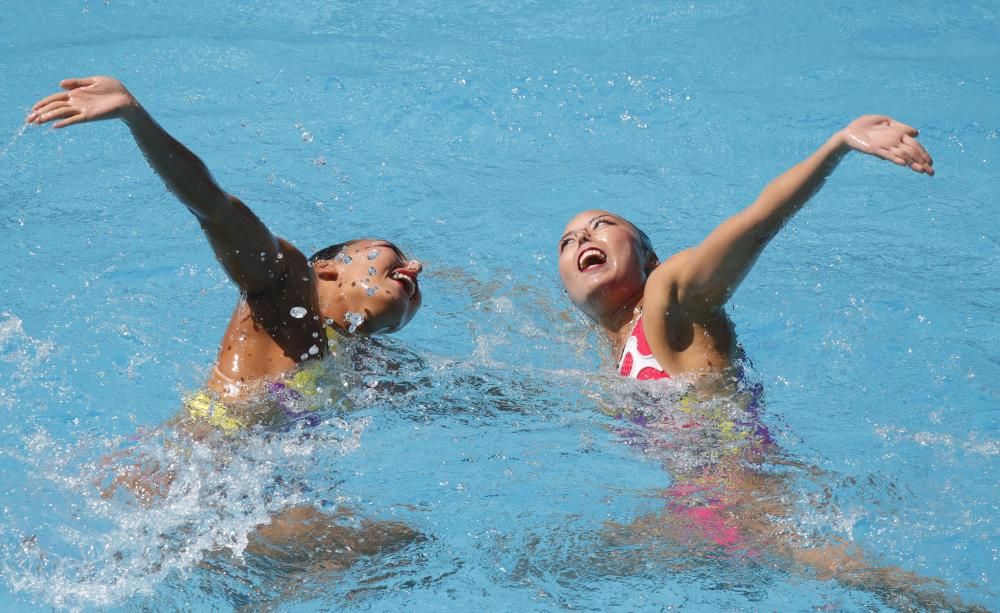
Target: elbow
x=209 y=205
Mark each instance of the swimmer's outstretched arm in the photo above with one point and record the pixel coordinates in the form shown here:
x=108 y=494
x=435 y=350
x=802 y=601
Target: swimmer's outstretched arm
x=700 y=280
x=242 y=243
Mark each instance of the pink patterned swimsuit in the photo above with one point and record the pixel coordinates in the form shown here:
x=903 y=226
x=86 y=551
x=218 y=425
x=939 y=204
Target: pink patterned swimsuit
x=702 y=503
x=637 y=361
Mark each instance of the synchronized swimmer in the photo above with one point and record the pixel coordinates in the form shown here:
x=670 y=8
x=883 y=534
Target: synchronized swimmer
x=291 y=309
x=663 y=318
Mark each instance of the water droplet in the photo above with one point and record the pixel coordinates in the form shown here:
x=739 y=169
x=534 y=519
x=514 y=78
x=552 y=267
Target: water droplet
x=305 y=356
x=339 y=257
x=315 y=334
x=298 y=312
x=372 y=271
x=372 y=290
x=281 y=255
x=313 y=350
x=355 y=319
x=347 y=259
x=307 y=136
x=373 y=254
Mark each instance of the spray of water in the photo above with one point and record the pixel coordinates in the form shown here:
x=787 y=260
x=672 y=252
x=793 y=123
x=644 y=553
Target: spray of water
x=145 y=511
x=17 y=135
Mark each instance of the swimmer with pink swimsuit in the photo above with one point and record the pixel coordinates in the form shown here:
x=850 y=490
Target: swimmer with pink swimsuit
x=609 y=268
x=612 y=273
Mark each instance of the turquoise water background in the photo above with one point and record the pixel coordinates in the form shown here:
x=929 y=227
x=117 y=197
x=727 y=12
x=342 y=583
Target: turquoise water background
x=470 y=133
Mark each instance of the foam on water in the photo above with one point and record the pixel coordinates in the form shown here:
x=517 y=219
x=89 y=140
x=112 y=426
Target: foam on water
x=198 y=500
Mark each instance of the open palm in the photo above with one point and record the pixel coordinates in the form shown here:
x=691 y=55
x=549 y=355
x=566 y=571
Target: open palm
x=87 y=99
x=888 y=139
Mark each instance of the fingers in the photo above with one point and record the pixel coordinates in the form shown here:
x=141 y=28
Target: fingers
x=894 y=154
x=50 y=100
x=75 y=83
x=919 y=152
x=920 y=160
x=896 y=159
x=62 y=113
x=46 y=105
x=907 y=129
x=52 y=106
x=910 y=153
x=78 y=118
x=53 y=110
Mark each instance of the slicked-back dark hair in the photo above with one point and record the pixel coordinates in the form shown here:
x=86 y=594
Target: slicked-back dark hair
x=328 y=253
x=647 y=245
x=644 y=239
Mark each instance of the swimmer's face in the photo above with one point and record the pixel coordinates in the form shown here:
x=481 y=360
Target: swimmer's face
x=602 y=262
x=374 y=279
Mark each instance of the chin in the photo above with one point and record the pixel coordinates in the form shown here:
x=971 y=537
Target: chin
x=389 y=318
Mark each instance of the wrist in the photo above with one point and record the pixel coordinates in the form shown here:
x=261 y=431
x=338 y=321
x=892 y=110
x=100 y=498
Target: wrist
x=132 y=112
x=840 y=142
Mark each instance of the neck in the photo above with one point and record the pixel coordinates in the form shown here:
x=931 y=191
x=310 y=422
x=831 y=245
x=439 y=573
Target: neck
x=335 y=310
x=616 y=321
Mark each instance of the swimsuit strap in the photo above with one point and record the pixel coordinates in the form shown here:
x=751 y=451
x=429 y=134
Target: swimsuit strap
x=637 y=360
x=631 y=331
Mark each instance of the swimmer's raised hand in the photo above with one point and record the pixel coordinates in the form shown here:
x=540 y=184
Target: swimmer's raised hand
x=87 y=99
x=888 y=139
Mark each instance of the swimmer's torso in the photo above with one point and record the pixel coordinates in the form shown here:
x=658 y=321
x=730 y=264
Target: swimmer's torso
x=266 y=338
x=704 y=345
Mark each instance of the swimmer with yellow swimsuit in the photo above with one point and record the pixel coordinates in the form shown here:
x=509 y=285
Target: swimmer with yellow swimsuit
x=290 y=312
x=206 y=407
x=290 y=307
x=285 y=397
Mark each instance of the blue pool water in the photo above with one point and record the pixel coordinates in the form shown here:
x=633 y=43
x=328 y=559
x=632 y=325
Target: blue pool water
x=470 y=133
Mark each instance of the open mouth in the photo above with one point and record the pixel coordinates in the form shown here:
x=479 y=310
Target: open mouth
x=406 y=278
x=590 y=258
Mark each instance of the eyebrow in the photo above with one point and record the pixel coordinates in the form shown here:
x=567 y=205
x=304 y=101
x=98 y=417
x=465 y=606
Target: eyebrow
x=389 y=245
x=589 y=221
